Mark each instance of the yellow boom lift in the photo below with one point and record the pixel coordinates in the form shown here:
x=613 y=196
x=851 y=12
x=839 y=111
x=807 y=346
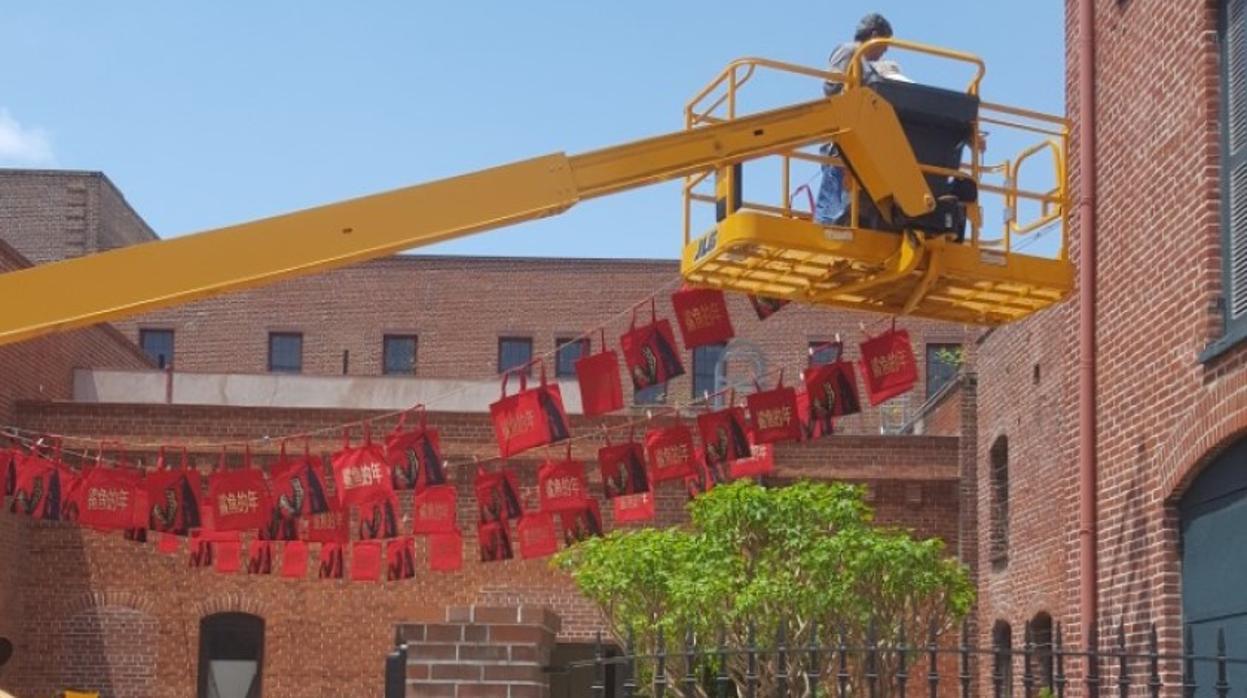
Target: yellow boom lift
x=903 y=248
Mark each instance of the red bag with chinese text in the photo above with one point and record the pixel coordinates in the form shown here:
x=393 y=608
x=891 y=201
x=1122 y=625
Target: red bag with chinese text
x=831 y=391
x=446 y=551
x=331 y=563
x=601 y=390
x=259 y=557
x=497 y=495
x=415 y=455
x=530 y=418
x=623 y=469
x=766 y=307
x=366 y=561
x=379 y=519
x=888 y=365
x=37 y=488
x=400 y=559
x=240 y=499
x=494 y=541
x=228 y=556
x=774 y=415
x=536 y=534
x=724 y=436
x=634 y=508
x=294 y=560
x=670 y=453
x=702 y=316
x=137 y=531
x=761 y=462
x=298 y=486
x=107 y=498
x=650 y=351
x=361 y=474
x=704 y=478
x=435 y=510
x=581 y=524
x=561 y=485
x=173 y=498
x=333 y=526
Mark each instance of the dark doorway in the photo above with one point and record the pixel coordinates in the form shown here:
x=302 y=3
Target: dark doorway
x=231 y=655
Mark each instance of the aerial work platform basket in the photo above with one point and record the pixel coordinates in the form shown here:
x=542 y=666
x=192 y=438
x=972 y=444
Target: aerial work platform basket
x=937 y=261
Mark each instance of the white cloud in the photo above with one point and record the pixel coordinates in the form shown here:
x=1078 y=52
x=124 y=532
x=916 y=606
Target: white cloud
x=20 y=145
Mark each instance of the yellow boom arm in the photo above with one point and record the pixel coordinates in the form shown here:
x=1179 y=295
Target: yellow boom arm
x=130 y=280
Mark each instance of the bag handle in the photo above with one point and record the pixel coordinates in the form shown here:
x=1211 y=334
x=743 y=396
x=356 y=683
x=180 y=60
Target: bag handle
x=523 y=373
x=281 y=452
x=220 y=462
x=346 y=437
x=602 y=335
x=418 y=409
x=653 y=313
x=160 y=459
x=246 y=457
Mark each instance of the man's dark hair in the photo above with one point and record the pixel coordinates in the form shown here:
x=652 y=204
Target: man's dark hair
x=872 y=26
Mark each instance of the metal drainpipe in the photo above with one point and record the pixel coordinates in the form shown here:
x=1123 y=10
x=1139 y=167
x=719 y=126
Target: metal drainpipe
x=1087 y=462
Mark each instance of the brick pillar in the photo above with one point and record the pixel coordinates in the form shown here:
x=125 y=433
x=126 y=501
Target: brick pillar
x=481 y=652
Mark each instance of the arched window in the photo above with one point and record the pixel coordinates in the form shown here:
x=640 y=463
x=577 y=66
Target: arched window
x=231 y=655
x=1041 y=638
x=1002 y=658
x=999 y=515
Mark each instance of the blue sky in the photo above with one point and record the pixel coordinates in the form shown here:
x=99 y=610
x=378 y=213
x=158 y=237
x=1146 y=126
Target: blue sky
x=208 y=114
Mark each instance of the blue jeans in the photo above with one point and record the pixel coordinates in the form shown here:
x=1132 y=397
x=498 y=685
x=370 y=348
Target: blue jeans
x=832 y=200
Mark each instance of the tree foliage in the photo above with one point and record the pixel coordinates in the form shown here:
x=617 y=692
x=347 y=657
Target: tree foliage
x=807 y=555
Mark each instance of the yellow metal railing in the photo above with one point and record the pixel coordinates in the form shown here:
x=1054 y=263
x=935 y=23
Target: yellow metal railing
x=720 y=101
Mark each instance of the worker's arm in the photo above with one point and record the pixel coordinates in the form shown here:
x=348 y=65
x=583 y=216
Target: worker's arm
x=130 y=280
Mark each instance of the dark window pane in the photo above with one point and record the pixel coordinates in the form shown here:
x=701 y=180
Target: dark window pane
x=569 y=352
x=158 y=344
x=514 y=352
x=705 y=360
x=399 y=355
x=285 y=352
x=822 y=353
x=653 y=395
x=943 y=361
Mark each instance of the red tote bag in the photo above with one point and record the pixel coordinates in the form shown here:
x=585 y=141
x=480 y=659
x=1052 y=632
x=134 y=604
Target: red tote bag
x=701 y=481
x=497 y=495
x=494 y=541
x=601 y=390
x=774 y=415
x=537 y=536
x=379 y=519
x=173 y=498
x=761 y=462
x=724 y=436
x=37 y=488
x=702 y=316
x=766 y=307
x=294 y=560
x=530 y=418
x=333 y=526
x=240 y=499
x=331 y=562
x=366 y=561
x=228 y=556
x=831 y=390
x=435 y=510
x=107 y=498
x=623 y=468
x=562 y=485
x=298 y=485
x=259 y=557
x=415 y=455
x=361 y=474
x=650 y=351
x=670 y=452
x=582 y=524
x=400 y=559
x=888 y=365
x=446 y=552
x=634 y=508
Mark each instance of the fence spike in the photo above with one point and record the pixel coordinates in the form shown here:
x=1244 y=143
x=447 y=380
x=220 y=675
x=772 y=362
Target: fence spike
x=660 y=669
x=751 y=676
x=813 y=667
x=1058 y=654
x=781 y=659
x=872 y=660
x=599 y=674
x=722 y=681
x=1223 y=686
x=1093 y=659
x=965 y=659
x=933 y=663
x=842 y=676
x=690 y=659
x=630 y=667
x=1154 y=683
x=1188 y=664
x=1123 y=664
x=1028 y=656
x=902 y=676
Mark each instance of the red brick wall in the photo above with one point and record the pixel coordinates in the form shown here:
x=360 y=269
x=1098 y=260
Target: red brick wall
x=351 y=309
x=329 y=638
